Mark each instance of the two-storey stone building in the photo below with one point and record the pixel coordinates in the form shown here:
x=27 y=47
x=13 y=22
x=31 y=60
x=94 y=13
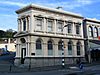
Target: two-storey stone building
x=92 y=39
x=40 y=35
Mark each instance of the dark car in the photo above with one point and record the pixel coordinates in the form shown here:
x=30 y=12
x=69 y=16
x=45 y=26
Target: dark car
x=3 y=51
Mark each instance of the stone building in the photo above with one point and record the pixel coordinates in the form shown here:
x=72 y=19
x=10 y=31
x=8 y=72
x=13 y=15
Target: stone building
x=92 y=36
x=8 y=44
x=40 y=34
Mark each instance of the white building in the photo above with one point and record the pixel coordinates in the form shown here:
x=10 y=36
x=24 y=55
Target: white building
x=92 y=36
x=40 y=35
x=8 y=44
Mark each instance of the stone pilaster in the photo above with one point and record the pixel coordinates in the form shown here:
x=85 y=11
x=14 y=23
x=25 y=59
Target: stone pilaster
x=73 y=29
x=26 y=23
x=32 y=23
x=44 y=25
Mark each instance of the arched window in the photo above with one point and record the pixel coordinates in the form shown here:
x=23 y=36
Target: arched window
x=38 y=44
x=60 y=47
x=50 y=47
x=78 y=47
x=95 y=32
x=90 y=31
x=70 y=47
x=38 y=47
x=99 y=32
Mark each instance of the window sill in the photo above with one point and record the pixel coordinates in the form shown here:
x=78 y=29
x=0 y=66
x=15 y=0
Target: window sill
x=39 y=31
x=78 y=35
x=60 y=33
x=70 y=34
x=50 y=32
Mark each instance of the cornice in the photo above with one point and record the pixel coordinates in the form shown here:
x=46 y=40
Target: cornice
x=33 y=6
x=92 y=20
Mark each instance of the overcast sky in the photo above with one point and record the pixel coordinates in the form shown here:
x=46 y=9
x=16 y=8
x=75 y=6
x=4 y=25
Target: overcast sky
x=8 y=17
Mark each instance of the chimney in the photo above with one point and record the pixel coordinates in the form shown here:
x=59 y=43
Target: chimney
x=59 y=7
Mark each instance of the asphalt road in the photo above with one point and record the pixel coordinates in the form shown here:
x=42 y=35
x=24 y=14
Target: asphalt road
x=91 y=70
x=87 y=70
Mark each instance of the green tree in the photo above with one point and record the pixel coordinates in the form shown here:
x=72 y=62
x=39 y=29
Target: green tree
x=2 y=34
x=10 y=33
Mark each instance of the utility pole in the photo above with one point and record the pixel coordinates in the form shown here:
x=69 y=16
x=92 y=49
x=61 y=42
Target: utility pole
x=63 y=47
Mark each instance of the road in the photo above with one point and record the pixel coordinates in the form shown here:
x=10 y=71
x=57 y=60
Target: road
x=87 y=70
x=91 y=70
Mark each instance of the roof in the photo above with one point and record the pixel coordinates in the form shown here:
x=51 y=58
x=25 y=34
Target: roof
x=92 y=20
x=47 y=9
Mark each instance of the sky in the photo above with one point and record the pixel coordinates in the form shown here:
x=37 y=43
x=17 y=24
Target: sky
x=8 y=17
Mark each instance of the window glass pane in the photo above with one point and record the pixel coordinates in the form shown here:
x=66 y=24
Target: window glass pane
x=60 y=48
x=69 y=28
x=77 y=29
x=95 y=32
x=50 y=23
x=59 y=25
x=24 y=25
x=50 y=46
x=78 y=48
x=38 y=47
x=70 y=48
x=38 y=44
x=39 y=23
x=90 y=31
x=60 y=45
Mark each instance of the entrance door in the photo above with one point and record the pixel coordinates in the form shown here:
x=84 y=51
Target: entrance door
x=23 y=54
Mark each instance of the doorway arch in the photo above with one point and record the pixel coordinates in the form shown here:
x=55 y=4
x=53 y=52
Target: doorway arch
x=23 y=50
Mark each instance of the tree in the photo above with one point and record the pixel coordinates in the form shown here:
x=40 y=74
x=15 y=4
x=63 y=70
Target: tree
x=10 y=33
x=7 y=34
x=2 y=34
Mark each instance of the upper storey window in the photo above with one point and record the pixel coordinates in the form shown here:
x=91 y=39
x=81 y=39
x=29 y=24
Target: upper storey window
x=99 y=31
x=39 y=23
x=24 y=24
x=95 y=32
x=50 y=25
x=59 y=26
x=69 y=27
x=78 y=28
x=90 y=31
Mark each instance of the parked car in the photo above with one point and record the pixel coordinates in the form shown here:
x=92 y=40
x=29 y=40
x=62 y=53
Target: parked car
x=3 y=51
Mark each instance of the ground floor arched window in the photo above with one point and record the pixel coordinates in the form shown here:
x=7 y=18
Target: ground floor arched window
x=38 y=47
x=78 y=46
x=70 y=47
x=50 y=47
x=60 y=48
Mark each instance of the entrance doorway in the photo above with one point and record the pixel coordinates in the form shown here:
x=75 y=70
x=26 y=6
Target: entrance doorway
x=23 y=54
x=95 y=55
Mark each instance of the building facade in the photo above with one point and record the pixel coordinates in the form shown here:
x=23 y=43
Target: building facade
x=40 y=34
x=92 y=42
x=8 y=44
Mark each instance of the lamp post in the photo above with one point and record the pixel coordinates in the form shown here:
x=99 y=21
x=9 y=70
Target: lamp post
x=63 y=60
x=89 y=53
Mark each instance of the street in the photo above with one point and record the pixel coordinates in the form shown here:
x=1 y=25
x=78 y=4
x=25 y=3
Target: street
x=90 y=70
